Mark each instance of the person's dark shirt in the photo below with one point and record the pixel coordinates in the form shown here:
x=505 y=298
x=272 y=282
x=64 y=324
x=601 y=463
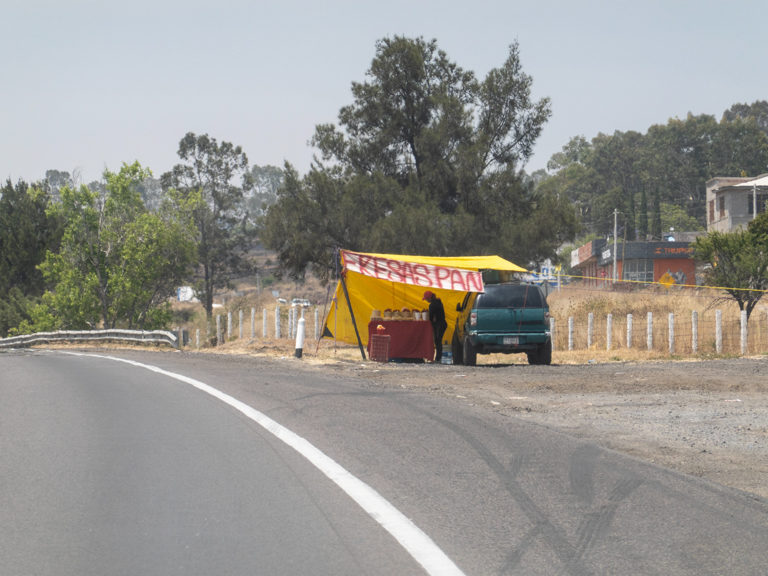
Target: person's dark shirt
x=437 y=312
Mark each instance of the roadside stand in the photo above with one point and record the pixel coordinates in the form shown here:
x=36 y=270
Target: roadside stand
x=385 y=290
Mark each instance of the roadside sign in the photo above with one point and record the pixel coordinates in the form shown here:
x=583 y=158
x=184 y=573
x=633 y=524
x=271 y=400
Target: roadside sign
x=667 y=279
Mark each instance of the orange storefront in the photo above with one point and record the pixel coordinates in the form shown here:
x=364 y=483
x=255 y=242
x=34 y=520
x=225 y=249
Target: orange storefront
x=642 y=262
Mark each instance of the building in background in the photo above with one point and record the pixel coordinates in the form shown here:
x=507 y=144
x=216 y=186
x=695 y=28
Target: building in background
x=733 y=201
x=668 y=262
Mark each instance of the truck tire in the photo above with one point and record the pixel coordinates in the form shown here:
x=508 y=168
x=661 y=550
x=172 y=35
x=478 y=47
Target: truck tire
x=458 y=350
x=542 y=354
x=469 y=353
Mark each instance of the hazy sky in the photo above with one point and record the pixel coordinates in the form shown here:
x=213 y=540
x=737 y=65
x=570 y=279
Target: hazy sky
x=89 y=84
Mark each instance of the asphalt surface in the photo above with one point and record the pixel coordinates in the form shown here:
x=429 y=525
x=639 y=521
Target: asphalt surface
x=111 y=468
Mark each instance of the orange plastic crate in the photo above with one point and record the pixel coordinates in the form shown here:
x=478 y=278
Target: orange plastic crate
x=380 y=347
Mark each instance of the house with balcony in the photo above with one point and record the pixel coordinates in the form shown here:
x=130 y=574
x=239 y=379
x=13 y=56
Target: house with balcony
x=733 y=201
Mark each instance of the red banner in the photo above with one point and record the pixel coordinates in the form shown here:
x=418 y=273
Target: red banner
x=417 y=274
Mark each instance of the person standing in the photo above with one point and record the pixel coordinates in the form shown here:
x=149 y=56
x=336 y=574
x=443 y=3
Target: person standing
x=437 y=318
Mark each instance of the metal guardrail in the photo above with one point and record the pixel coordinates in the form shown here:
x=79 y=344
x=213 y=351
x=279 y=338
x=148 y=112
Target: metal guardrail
x=141 y=336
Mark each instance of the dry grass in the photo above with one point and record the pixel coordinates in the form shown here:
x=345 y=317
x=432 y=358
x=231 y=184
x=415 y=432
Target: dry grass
x=577 y=302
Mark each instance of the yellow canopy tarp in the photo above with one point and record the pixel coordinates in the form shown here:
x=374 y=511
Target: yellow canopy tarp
x=397 y=281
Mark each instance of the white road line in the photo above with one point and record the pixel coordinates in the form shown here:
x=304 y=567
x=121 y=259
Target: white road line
x=420 y=546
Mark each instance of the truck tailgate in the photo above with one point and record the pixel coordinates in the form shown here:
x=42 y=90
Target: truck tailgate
x=511 y=320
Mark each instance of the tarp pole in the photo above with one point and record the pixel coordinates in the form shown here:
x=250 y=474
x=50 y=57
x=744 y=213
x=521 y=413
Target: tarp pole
x=352 y=314
x=325 y=317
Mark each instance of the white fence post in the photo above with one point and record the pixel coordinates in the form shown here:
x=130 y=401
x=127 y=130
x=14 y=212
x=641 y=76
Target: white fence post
x=590 y=329
x=649 y=331
x=671 y=333
x=629 y=331
x=264 y=319
x=240 y=324
x=229 y=326
x=299 y=339
x=609 y=332
x=552 y=331
x=197 y=339
x=694 y=332
x=219 y=334
x=289 y=322
x=277 y=322
x=253 y=323
x=317 y=323
x=764 y=329
x=744 y=333
x=570 y=333
x=719 y=331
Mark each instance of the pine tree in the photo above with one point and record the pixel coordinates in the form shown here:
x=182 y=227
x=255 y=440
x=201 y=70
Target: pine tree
x=656 y=222
x=642 y=217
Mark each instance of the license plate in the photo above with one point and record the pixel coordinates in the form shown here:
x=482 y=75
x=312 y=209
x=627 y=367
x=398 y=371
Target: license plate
x=510 y=340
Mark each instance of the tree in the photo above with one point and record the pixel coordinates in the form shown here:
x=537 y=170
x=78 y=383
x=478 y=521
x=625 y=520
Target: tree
x=424 y=160
x=152 y=194
x=158 y=253
x=55 y=180
x=219 y=174
x=673 y=160
x=656 y=230
x=575 y=180
x=27 y=231
x=758 y=111
x=738 y=262
x=266 y=182
x=14 y=310
x=615 y=161
x=118 y=264
x=642 y=219
x=741 y=145
x=677 y=218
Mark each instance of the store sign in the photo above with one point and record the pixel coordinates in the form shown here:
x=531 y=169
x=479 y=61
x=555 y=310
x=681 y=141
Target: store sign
x=661 y=251
x=416 y=274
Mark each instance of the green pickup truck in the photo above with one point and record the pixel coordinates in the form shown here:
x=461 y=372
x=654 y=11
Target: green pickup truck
x=506 y=318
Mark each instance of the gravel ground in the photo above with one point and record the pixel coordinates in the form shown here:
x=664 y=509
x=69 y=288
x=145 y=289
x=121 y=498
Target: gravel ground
x=707 y=418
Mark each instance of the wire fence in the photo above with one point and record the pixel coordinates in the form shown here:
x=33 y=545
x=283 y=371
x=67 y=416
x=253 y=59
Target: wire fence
x=677 y=334
x=680 y=333
x=666 y=324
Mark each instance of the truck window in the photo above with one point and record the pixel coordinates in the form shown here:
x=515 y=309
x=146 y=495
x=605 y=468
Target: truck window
x=510 y=296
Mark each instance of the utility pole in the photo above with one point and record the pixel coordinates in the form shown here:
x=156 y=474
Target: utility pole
x=615 y=234
x=754 y=201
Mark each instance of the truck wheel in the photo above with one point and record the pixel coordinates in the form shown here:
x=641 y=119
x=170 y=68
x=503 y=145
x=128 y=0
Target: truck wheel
x=458 y=351
x=542 y=355
x=470 y=354
x=546 y=353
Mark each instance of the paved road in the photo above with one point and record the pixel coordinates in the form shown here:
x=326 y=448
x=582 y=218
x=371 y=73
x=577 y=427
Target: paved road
x=111 y=468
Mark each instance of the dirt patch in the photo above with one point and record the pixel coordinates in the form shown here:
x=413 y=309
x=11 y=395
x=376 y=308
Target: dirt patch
x=708 y=418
